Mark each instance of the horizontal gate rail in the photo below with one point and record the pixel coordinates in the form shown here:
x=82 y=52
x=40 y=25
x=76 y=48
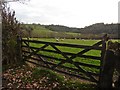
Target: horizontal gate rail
x=78 y=63
x=74 y=69
x=95 y=47
x=67 y=53
x=66 y=72
x=78 y=76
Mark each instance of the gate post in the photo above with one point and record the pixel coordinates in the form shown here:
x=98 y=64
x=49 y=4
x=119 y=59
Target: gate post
x=18 y=51
x=107 y=66
x=104 y=40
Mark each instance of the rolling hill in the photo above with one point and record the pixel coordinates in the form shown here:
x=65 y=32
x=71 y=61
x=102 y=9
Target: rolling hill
x=40 y=31
x=58 y=31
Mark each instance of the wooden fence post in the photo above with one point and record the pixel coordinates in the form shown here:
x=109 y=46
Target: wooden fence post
x=102 y=55
x=107 y=70
x=104 y=39
x=103 y=50
x=18 y=51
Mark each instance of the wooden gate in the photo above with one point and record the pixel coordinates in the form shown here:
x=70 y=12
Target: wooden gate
x=57 y=56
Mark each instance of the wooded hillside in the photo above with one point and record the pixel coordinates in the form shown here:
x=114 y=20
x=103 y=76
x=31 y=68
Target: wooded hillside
x=97 y=28
x=93 y=31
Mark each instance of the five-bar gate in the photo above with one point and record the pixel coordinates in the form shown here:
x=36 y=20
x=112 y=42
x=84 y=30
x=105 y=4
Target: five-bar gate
x=70 y=59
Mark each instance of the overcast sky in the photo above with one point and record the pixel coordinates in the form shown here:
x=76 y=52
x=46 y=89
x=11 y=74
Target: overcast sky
x=73 y=13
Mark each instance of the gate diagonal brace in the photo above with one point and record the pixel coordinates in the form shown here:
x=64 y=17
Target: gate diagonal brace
x=26 y=44
x=87 y=74
x=73 y=56
x=62 y=62
x=34 y=52
x=43 y=60
x=38 y=55
x=85 y=50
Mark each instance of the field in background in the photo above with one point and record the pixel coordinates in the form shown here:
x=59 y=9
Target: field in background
x=68 y=41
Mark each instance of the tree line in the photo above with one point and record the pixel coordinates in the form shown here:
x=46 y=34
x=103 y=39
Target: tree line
x=94 y=31
x=97 y=28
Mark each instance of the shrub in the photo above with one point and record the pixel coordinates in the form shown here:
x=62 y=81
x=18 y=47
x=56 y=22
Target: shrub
x=10 y=28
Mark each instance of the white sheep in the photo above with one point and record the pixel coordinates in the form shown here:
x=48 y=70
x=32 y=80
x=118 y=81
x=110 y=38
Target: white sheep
x=57 y=40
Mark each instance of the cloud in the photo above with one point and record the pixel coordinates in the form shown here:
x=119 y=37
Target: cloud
x=76 y=13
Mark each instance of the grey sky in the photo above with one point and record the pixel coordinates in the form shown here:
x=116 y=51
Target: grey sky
x=73 y=13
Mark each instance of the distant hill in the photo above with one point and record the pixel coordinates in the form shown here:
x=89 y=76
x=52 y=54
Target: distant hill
x=93 y=31
x=100 y=28
x=60 y=28
x=40 y=31
x=97 y=28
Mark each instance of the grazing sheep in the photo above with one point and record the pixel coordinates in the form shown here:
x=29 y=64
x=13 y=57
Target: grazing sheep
x=57 y=40
x=83 y=39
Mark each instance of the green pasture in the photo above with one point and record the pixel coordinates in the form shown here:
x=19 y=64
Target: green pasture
x=68 y=41
x=71 y=50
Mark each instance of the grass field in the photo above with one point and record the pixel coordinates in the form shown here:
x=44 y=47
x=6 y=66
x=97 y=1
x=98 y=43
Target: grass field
x=72 y=50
